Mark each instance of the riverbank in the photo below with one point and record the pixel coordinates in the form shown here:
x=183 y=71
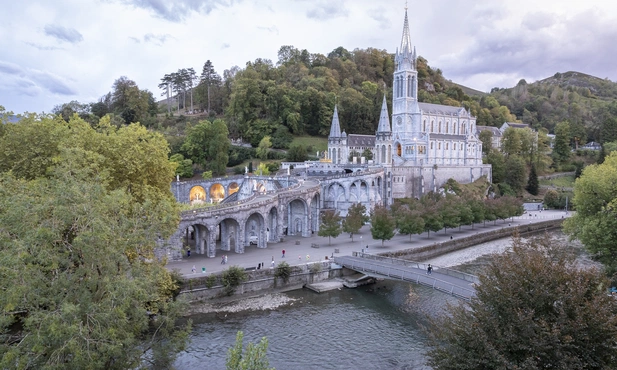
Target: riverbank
x=313 y=262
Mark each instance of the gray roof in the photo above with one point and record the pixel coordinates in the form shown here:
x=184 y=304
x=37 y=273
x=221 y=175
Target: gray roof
x=517 y=125
x=494 y=130
x=440 y=109
x=335 y=128
x=384 y=120
x=360 y=140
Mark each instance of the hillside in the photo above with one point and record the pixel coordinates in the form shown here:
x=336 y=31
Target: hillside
x=587 y=102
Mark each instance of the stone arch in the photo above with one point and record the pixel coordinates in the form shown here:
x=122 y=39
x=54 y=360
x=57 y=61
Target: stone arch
x=233 y=188
x=399 y=149
x=202 y=240
x=332 y=194
x=297 y=218
x=230 y=236
x=217 y=192
x=255 y=230
x=197 y=195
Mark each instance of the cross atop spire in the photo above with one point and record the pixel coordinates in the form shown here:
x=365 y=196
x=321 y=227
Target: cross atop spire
x=406 y=40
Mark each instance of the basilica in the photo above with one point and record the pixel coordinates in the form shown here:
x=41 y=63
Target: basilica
x=424 y=146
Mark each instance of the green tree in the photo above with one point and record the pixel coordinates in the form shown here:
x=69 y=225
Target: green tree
x=498 y=164
x=382 y=224
x=595 y=221
x=449 y=213
x=264 y=147
x=184 y=166
x=432 y=219
x=356 y=217
x=561 y=148
x=533 y=186
x=79 y=277
x=297 y=153
x=330 y=225
x=263 y=169
x=516 y=173
x=253 y=357
x=534 y=309
x=368 y=154
x=486 y=137
x=409 y=222
x=478 y=210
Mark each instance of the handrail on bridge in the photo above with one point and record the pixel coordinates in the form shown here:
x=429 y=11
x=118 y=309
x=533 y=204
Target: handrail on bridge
x=420 y=265
x=418 y=278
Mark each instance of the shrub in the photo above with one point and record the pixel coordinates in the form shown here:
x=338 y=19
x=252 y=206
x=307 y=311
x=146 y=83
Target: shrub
x=232 y=277
x=315 y=268
x=283 y=271
x=211 y=281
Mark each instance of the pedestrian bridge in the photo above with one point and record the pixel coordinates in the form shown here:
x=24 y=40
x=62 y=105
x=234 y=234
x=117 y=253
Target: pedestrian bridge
x=457 y=283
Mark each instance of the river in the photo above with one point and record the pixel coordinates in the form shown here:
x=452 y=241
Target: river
x=372 y=327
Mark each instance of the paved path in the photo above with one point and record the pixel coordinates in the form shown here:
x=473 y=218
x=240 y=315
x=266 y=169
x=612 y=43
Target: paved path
x=450 y=281
x=299 y=251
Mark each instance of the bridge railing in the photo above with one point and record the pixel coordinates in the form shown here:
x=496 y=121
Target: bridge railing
x=420 y=265
x=398 y=272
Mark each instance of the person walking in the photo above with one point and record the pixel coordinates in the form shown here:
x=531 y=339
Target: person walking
x=272 y=263
x=225 y=260
x=308 y=258
x=283 y=256
x=194 y=269
x=429 y=269
x=188 y=252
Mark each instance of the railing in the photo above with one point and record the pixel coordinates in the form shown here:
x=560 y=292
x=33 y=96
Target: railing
x=410 y=276
x=419 y=265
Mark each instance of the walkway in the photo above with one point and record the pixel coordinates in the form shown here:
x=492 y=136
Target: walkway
x=297 y=248
x=450 y=281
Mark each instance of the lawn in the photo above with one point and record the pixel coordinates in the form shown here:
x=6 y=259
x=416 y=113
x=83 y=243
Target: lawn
x=560 y=182
x=315 y=142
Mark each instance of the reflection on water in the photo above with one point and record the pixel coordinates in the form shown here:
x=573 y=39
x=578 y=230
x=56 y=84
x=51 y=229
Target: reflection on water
x=371 y=327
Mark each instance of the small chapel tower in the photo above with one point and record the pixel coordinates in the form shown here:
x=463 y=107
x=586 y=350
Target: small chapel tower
x=337 y=141
x=383 y=137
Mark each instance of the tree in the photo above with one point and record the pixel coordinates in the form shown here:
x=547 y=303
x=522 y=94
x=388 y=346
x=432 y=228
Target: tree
x=533 y=186
x=595 y=221
x=486 y=137
x=297 y=153
x=368 y=154
x=330 y=225
x=449 y=214
x=382 y=224
x=497 y=162
x=165 y=85
x=516 y=172
x=262 y=169
x=356 y=217
x=208 y=145
x=254 y=357
x=264 y=147
x=209 y=77
x=561 y=148
x=184 y=166
x=534 y=309
x=409 y=222
x=81 y=282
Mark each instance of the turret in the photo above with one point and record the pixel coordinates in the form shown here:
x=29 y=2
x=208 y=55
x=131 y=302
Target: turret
x=384 y=119
x=335 y=128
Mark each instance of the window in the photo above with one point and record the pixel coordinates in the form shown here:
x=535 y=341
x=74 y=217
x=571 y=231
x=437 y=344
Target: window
x=432 y=126
x=431 y=145
x=439 y=146
x=424 y=127
x=446 y=146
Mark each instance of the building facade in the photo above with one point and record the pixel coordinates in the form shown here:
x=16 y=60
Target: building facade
x=425 y=144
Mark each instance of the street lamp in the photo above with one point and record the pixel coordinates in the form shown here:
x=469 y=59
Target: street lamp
x=361 y=244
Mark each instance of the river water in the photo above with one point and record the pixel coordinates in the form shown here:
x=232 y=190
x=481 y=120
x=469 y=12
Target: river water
x=371 y=327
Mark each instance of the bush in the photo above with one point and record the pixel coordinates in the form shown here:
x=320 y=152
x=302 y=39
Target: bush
x=232 y=277
x=274 y=166
x=315 y=268
x=505 y=189
x=211 y=281
x=283 y=271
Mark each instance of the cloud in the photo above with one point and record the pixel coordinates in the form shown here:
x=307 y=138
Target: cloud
x=63 y=34
x=271 y=29
x=178 y=10
x=157 y=39
x=538 y=21
x=379 y=15
x=326 y=10
x=43 y=47
x=25 y=81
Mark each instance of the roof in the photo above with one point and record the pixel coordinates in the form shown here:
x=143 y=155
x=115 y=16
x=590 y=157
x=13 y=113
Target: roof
x=360 y=140
x=516 y=125
x=494 y=130
x=441 y=109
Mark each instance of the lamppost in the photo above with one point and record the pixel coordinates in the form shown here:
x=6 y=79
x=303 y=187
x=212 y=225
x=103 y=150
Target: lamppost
x=361 y=244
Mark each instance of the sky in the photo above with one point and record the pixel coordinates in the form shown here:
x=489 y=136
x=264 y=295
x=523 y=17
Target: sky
x=57 y=51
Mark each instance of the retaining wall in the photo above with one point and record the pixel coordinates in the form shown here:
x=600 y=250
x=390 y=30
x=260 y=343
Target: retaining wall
x=438 y=249
x=195 y=289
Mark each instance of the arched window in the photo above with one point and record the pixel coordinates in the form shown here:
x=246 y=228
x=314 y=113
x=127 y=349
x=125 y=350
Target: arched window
x=424 y=127
x=408 y=87
x=431 y=145
x=446 y=146
x=383 y=154
x=432 y=126
x=447 y=127
x=399 y=149
x=439 y=127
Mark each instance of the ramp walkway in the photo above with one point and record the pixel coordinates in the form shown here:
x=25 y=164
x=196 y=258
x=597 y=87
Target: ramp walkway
x=450 y=281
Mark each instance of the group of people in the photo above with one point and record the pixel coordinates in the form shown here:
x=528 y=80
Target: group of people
x=224 y=260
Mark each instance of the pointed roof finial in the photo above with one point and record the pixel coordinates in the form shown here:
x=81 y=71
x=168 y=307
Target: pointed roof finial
x=406 y=40
x=335 y=128
x=384 y=120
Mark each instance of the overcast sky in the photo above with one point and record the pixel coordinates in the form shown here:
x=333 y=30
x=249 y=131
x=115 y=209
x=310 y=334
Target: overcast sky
x=55 y=51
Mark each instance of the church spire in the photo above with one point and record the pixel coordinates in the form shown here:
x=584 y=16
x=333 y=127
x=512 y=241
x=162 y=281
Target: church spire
x=406 y=40
x=335 y=128
x=384 y=121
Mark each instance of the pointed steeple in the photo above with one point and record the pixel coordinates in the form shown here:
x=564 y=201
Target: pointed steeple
x=406 y=40
x=335 y=128
x=384 y=120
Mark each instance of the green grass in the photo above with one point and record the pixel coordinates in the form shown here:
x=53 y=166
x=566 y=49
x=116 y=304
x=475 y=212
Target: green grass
x=318 y=143
x=560 y=182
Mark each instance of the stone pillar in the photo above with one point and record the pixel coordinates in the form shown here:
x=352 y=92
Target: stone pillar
x=225 y=236
x=211 y=244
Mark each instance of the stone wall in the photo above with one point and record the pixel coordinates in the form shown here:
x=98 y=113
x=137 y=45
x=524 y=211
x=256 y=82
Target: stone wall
x=438 y=249
x=259 y=281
